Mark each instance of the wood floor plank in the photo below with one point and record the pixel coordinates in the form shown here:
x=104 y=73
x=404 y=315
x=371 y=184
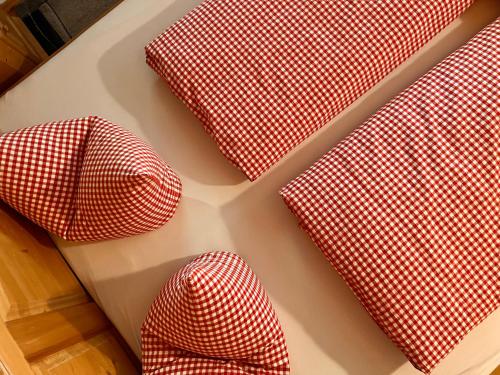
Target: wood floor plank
x=99 y=355
x=34 y=277
x=44 y=334
x=11 y=358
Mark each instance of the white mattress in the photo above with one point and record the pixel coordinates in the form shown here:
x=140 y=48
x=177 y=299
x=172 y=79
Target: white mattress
x=103 y=72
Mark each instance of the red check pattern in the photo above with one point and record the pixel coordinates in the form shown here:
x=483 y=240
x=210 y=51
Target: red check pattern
x=86 y=179
x=213 y=317
x=263 y=75
x=406 y=208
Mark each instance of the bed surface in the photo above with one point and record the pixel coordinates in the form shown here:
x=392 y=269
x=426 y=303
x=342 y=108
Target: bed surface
x=104 y=73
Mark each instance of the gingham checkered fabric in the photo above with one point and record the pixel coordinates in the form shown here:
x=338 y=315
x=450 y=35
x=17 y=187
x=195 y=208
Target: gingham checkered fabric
x=406 y=208
x=86 y=179
x=213 y=317
x=263 y=75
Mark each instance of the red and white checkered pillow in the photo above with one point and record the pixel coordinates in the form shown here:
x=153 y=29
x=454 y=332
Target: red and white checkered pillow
x=213 y=317
x=263 y=75
x=406 y=208
x=86 y=179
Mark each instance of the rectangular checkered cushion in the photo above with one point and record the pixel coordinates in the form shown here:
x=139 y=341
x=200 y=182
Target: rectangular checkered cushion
x=406 y=208
x=263 y=75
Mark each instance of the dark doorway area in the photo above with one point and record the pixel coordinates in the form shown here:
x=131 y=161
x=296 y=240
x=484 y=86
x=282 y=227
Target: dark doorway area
x=55 y=22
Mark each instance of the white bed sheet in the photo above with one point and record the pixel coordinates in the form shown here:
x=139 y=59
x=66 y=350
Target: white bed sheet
x=103 y=72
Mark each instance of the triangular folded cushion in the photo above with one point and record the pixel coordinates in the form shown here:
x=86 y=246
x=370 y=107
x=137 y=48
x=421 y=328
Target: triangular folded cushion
x=213 y=316
x=86 y=179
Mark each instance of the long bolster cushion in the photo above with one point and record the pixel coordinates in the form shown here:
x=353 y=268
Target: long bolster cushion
x=213 y=317
x=406 y=208
x=263 y=75
x=86 y=179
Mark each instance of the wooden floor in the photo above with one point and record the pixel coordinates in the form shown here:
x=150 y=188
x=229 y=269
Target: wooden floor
x=48 y=324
